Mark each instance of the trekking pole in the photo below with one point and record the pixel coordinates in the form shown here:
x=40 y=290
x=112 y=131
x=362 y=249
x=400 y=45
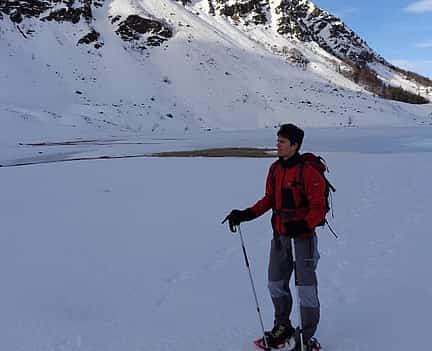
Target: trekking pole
x=293 y=251
x=253 y=288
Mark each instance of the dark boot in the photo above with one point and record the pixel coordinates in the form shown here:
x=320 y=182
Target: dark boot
x=279 y=335
x=310 y=345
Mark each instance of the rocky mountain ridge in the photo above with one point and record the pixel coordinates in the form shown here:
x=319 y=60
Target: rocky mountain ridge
x=302 y=20
x=74 y=11
x=298 y=20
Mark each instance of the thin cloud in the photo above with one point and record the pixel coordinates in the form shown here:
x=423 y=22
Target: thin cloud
x=420 y=6
x=346 y=12
x=427 y=45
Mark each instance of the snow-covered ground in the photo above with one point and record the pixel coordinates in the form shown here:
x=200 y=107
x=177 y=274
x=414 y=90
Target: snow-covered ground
x=130 y=255
x=30 y=141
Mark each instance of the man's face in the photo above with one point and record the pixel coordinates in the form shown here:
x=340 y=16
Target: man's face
x=284 y=147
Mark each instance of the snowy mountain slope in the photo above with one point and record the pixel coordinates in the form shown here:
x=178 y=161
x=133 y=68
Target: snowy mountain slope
x=155 y=66
x=306 y=23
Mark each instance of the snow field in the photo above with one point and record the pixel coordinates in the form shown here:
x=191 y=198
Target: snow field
x=130 y=255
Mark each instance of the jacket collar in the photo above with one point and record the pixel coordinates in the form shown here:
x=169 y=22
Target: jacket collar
x=291 y=162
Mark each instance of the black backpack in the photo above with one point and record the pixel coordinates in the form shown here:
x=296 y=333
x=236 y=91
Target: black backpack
x=319 y=164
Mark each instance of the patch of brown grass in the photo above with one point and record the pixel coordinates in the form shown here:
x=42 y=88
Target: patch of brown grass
x=220 y=152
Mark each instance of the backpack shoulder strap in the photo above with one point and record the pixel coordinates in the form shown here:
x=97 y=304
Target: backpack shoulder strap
x=299 y=178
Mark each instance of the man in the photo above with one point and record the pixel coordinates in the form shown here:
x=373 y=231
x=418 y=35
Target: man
x=298 y=207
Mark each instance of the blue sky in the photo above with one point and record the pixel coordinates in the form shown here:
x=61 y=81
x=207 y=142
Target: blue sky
x=400 y=31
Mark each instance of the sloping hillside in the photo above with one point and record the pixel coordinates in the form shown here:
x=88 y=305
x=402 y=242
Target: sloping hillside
x=159 y=65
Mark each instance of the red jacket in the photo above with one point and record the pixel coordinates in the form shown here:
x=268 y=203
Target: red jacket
x=290 y=200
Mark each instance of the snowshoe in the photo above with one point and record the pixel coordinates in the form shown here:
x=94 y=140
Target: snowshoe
x=280 y=337
x=311 y=345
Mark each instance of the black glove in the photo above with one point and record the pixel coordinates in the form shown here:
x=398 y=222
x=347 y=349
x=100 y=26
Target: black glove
x=296 y=228
x=237 y=216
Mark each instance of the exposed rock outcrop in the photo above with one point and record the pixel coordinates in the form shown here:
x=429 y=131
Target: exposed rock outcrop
x=143 y=31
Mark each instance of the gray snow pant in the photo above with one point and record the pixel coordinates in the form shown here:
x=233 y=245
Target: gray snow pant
x=279 y=273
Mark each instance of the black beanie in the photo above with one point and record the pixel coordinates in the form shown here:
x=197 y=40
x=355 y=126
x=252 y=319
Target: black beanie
x=291 y=132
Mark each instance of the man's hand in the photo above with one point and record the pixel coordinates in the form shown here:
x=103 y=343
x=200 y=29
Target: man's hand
x=235 y=217
x=296 y=228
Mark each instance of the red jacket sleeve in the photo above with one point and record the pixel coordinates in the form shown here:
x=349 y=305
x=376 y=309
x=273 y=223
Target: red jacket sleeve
x=265 y=203
x=315 y=193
